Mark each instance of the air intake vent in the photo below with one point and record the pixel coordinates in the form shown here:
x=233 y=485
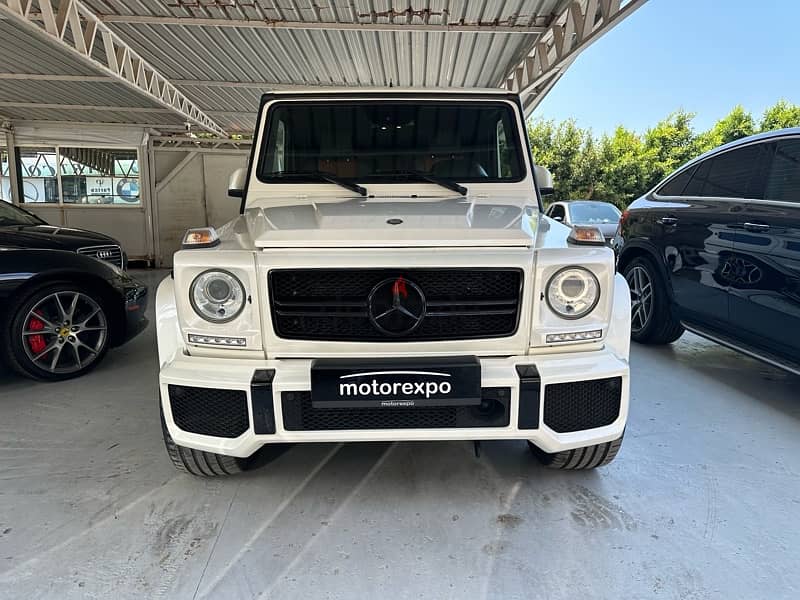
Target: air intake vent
x=209 y=411
x=299 y=415
x=582 y=405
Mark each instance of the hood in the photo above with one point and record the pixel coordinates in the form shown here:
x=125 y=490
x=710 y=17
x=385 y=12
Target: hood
x=49 y=237
x=388 y=222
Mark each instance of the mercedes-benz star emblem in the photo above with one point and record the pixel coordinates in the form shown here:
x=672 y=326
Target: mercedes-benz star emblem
x=396 y=306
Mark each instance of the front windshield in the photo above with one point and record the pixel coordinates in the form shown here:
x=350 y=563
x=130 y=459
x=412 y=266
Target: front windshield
x=11 y=215
x=392 y=141
x=593 y=213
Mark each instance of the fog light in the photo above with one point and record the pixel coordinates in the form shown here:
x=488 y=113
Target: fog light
x=216 y=340
x=577 y=336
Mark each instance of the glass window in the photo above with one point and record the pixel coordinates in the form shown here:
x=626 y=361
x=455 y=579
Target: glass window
x=593 y=213
x=729 y=175
x=557 y=210
x=5 y=180
x=390 y=141
x=783 y=181
x=676 y=185
x=99 y=176
x=12 y=215
x=39 y=175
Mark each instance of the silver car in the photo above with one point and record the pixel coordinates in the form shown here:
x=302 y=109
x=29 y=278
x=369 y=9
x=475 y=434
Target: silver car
x=603 y=215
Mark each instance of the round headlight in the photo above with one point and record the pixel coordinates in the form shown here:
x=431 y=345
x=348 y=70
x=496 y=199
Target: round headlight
x=573 y=292
x=217 y=296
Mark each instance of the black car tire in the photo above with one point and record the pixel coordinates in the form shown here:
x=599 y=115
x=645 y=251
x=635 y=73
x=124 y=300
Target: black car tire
x=11 y=337
x=662 y=326
x=588 y=457
x=198 y=462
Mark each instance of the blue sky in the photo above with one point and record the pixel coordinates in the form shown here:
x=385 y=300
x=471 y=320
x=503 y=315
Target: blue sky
x=705 y=56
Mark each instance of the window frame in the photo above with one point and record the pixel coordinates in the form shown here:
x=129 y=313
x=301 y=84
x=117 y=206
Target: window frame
x=768 y=169
x=261 y=151
x=697 y=164
x=61 y=204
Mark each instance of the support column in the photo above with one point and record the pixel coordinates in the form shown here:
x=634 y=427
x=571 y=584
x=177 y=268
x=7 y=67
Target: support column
x=13 y=168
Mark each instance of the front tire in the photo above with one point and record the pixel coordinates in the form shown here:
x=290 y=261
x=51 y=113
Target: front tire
x=588 y=457
x=198 y=462
x=652 y=318
x=57 y=331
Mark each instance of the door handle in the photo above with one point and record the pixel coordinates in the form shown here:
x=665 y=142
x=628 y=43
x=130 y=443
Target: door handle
x=756 y=226
x=667 y=221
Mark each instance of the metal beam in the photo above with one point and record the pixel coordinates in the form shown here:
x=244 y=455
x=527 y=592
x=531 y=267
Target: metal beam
x=53 y=77
x=44 y=105
x=476 y=27
x=578 y=27
x=72 y=27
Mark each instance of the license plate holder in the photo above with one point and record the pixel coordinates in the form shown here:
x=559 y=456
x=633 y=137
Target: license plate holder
x=393 y=383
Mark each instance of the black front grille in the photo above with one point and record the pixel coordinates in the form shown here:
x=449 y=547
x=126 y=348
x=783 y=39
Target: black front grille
x=209 y=411
x=332 y=304
x=580 y=405
x=300 y=415
x=111 y=254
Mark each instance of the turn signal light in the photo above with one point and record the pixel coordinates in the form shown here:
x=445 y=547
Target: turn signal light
x=577 y=336
x=583 y=235
x=217 y=340
x=200 y=237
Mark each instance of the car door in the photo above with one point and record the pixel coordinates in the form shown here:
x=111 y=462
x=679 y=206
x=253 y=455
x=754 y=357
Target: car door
x=695 y=222
x=765 y=293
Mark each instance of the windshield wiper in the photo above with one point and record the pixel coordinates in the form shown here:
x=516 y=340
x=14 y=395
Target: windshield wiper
x=329 y=177
x=442 y=181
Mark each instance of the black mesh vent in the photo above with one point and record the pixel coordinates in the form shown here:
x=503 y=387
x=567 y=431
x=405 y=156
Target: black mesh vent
x=331 y=304
x=299 y=415
x=208 y=411
x=580 y=405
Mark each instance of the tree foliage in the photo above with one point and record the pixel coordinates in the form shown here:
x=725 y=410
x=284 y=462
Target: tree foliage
x=622 y=166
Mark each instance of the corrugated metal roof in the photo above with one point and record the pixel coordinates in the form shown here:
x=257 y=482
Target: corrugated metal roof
x=231 y=51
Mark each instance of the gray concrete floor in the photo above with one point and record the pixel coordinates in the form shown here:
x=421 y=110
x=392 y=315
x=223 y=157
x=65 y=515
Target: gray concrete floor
x=702 y=502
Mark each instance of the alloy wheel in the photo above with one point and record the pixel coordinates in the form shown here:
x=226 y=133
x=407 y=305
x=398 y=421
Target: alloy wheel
x=64 y=332
x=641 y=297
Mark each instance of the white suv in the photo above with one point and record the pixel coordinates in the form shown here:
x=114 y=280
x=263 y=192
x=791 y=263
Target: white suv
x=392 y=277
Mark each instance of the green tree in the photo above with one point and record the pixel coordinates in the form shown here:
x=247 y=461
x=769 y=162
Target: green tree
x=735 y=125
x=780 y=115
x=624 y=167
x=559 y=148
x=668 y=145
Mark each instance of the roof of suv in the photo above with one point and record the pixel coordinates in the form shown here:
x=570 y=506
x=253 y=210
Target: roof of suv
x=776 y=133
x=315 y=91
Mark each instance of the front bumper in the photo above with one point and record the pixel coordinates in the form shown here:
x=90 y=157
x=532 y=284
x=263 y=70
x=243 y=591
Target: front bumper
x=294 y=375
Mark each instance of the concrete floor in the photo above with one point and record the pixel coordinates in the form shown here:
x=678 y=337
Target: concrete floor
x=702 y=502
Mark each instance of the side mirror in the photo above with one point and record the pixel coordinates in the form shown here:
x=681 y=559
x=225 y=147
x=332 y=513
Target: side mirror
x=544 y=179
x=236 y=183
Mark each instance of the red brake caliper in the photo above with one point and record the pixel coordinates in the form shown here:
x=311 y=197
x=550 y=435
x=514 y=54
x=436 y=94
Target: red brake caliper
x=36 y=342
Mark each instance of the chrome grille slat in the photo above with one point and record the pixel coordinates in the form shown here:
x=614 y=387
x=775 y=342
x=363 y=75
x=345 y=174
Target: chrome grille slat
x=107 y=253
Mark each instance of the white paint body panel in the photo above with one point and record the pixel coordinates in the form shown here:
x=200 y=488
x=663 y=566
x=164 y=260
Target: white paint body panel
x=324 y=226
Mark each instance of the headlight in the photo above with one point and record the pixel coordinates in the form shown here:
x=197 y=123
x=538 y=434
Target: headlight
x=573 y=292
x=217 y=296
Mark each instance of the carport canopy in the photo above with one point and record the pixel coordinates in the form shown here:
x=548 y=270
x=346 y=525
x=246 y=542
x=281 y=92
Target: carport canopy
x=166 y=64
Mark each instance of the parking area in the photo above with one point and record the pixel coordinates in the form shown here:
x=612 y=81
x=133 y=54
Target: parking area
x=701 y=503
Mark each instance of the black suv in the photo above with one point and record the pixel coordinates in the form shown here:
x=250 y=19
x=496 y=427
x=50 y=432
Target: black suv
x=715 y=249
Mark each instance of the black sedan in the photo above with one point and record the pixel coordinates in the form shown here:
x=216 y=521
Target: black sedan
x=21 y=229
x=715 y=248
x=60 y=310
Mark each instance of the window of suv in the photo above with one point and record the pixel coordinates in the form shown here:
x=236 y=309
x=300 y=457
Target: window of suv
x=391 y=141
x=783 y=180
x=732 y=174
